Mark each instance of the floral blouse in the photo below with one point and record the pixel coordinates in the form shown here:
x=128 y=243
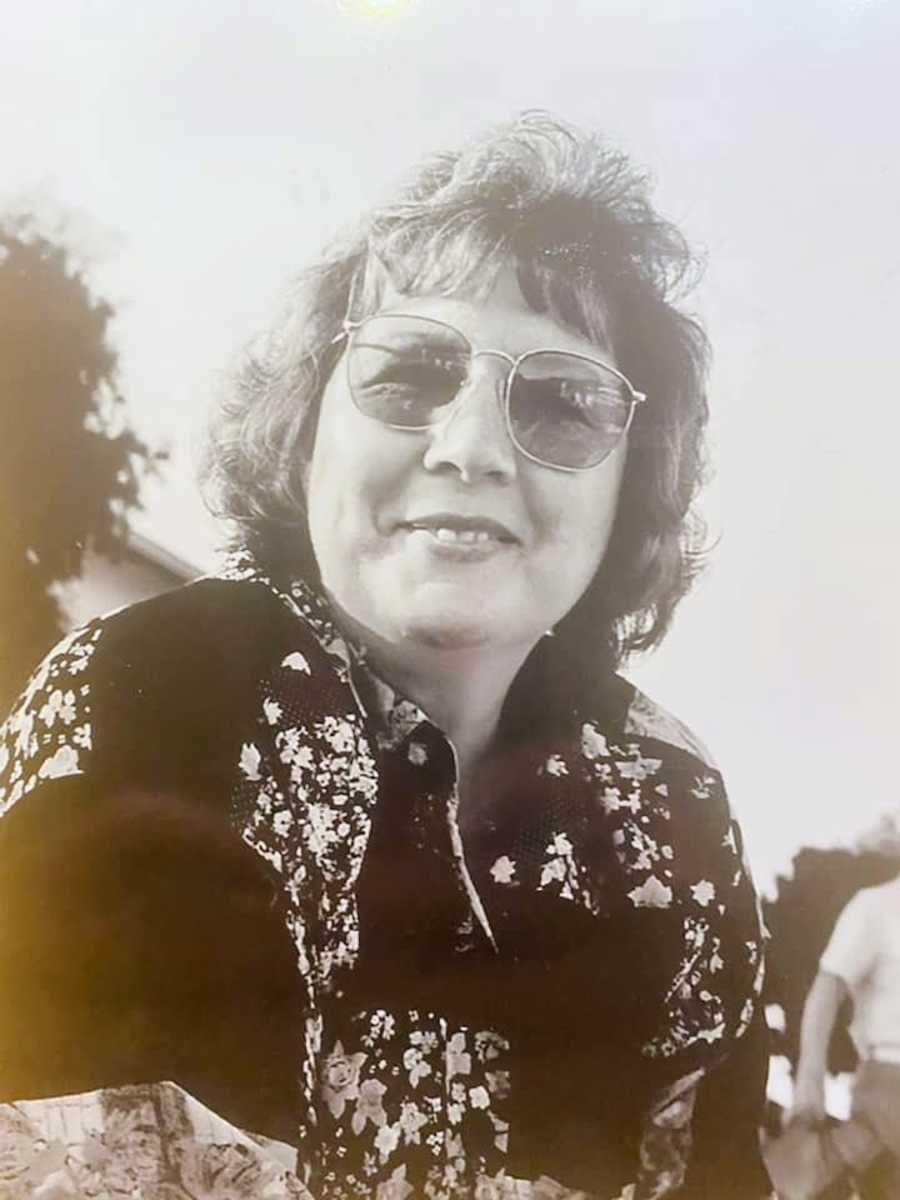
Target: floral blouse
x=561 y=989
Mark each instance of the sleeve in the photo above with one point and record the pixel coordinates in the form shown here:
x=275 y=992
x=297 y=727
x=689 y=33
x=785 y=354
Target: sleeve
x=48 y=734
x=701 y=1136
x=141 y=940
x=852 y=949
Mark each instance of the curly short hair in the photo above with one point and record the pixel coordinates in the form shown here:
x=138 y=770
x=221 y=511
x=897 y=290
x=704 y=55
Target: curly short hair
x=574 y=218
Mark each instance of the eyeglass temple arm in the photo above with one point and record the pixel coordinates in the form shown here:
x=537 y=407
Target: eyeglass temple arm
x=347 y=327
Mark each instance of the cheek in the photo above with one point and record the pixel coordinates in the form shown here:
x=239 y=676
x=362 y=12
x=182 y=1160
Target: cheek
x=578 y=515
x=336 y=473
x=355 y=476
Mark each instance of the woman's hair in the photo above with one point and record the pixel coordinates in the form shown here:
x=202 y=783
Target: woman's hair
x=574 y=219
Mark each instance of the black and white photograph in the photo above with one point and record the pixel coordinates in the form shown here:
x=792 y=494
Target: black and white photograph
x=449 y=667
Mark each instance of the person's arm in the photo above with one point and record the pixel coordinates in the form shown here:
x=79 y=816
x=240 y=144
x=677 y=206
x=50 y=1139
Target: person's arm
x=820 y=1012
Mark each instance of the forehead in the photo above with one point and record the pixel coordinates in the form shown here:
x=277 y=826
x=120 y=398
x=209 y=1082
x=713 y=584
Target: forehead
x=494 y=316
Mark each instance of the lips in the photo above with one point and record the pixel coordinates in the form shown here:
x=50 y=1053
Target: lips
x=456 y=528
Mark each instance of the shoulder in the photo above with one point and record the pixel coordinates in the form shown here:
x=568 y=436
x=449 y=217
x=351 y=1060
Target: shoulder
x=665 y=807
x=627 y=736
x=163 y=672
x=201 y=614
x=645 y=718
x=677 y=867
x=855 y=940
x=871 y=905
x=179 y=637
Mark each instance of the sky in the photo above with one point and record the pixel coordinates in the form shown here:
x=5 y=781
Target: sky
x=197 y=155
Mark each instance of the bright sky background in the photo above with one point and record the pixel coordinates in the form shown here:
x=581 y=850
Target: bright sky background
x=199 y=153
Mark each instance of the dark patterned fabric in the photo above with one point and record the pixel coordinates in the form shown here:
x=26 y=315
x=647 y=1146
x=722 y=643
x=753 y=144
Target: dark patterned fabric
x=564 y=988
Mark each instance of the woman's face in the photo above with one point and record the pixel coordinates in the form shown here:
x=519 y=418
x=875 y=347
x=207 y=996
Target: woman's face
x=384 y=504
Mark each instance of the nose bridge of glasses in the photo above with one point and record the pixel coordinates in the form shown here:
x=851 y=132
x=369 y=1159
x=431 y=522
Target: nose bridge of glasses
x=474 y=431
x=481 y=386
x=501 y=354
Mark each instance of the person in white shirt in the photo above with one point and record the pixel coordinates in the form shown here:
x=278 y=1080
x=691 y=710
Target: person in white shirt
x=862 y=961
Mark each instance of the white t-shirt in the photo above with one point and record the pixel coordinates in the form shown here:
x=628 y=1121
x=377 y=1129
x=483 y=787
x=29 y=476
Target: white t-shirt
x=864 y=951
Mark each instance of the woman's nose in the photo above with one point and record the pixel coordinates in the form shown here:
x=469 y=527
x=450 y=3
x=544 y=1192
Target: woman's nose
x=473 y=439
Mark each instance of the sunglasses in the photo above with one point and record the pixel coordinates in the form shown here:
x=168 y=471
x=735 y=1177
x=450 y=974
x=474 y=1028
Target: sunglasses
x=563 y=409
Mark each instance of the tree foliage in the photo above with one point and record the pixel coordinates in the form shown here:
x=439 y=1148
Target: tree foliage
x=70 y=467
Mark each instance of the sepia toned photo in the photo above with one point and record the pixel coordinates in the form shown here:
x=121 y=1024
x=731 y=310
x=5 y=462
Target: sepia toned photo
x=448 y=585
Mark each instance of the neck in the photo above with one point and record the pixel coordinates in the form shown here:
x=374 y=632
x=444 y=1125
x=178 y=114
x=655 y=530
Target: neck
x=463 y=693
x=461 y=689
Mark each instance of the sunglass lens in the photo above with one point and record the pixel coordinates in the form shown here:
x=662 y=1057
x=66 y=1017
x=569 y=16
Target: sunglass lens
x=567 y=411
x=406 y=371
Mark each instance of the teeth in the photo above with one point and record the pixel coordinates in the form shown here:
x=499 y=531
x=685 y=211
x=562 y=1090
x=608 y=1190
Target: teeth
x=469 y=537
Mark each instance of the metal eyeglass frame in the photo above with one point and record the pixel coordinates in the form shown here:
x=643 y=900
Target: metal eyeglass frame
x=350 y=328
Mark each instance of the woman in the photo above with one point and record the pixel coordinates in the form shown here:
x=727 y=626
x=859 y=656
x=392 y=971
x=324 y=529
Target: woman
x=364 y=842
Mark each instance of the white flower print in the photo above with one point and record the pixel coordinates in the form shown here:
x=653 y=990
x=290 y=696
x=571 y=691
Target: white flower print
x=561 y=846
x=703 y=892
x=412 y=1120
x=715 y=1034
x=48 y=712
x=319 y=826
x=640 y=768
x=288 y=743
x=282 y=822
x=387 y=1140
x=561 y=867
x=746 y=1015
x=593 y=743
x=369 y=1106
x=478 y=1097
x=702 y=788
x=503 y=869
x=250 y=760
x=395 y=1188
x=34 y=741
x=296 y=662
x=652 y=894
x=648 y=852
x=555 y=765
x=382 y=1025
x=501 y=1133
x=416 y=1065
x=272 y=711
x=459 y=1061
x=340 y=1078
x=338 y=734
x=63 y=762
x=425 y=1039
x=556 y=869
x=613 y=800
x=417 y=754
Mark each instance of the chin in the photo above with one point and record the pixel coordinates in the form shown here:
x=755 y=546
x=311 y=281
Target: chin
x=448 y=632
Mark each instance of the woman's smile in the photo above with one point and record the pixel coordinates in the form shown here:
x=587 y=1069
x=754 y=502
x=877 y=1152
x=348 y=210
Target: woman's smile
x=455 y=537
x=449 y=532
